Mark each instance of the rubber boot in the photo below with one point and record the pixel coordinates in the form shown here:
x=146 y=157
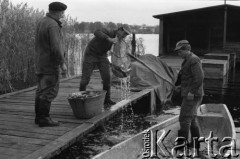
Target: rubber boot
x=182 y=133
x=44 y=119
x=37 y=110
x=194 y=133
x=82 y=87
x=107 y=101
x=181 y=144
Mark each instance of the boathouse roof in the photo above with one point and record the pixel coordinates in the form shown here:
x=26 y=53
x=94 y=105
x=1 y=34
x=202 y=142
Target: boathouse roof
x=203 y=9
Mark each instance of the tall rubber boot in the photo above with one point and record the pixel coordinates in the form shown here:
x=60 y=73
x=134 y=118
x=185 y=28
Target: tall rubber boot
x=183 y=133
x=194 y=133
x=107 y=101
x=45 y=120
x=82 y=87
x=180 y=146
x=37 y=100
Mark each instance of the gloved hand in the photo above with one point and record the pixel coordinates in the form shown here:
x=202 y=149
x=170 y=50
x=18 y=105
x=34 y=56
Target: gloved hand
x=113 y=40
x=64 y=70
x=178 y=89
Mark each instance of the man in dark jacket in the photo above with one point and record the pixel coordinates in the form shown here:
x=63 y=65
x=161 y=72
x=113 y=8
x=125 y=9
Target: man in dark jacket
x=96 y=55
x=191 y=90
x=49 y=61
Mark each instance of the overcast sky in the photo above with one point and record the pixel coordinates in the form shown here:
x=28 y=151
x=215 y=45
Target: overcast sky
x=123 y=11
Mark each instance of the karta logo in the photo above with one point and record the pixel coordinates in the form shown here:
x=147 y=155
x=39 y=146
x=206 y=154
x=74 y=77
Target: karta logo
x=157 y=147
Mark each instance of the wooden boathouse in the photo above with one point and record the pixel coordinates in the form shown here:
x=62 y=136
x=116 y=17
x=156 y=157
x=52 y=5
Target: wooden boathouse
x=213 y=29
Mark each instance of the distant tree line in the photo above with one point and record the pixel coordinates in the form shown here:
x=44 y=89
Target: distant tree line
x=90 y=27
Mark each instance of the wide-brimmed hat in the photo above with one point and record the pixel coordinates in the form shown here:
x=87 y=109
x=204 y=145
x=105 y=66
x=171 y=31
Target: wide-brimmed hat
x=57 y=6
x=180 y=44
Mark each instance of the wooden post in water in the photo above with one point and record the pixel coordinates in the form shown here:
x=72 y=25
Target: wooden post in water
x=160 y=49
x=153 y=106
x=225 y=28
x=133 y=44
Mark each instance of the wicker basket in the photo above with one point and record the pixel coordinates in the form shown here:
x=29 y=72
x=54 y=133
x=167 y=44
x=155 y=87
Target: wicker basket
x=89 y=106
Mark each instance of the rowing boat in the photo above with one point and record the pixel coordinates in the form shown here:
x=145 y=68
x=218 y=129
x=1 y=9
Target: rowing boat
x=215 y=121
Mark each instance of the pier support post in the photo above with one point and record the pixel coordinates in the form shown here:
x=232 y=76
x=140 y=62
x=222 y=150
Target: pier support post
x=152 y=102
x=160 y=49
x=133 y=43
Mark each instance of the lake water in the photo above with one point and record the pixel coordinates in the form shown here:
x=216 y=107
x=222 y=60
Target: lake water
x=150 y=43
x=225 y=91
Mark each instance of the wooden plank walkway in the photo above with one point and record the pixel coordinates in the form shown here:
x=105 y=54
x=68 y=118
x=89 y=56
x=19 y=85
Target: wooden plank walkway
x=21 y=138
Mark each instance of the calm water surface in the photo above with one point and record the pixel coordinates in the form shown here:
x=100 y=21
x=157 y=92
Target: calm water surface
x=150 y=43
x=225 y=91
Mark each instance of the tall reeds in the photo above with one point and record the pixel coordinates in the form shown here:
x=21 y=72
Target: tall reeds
x=17 y=53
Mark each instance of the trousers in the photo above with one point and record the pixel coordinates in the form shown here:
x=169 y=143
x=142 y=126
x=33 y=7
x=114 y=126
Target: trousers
x=103 y=65
x=46 y=92
x=187 y=117
x=47 y=87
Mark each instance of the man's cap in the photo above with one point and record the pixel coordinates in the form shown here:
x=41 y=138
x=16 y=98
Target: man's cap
x=126 y=29
x=180 y=44
x=57 y=6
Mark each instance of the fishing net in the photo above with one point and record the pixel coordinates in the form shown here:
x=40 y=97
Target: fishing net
x=142 y=77
x=120 y=60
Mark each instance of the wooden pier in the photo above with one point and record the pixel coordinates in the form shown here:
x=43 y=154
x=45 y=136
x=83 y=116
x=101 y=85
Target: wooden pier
x=21 y=138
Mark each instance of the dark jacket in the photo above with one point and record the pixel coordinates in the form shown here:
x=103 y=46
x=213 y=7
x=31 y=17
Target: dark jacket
x=192 y=76
x=99 y=45
x=49 y=46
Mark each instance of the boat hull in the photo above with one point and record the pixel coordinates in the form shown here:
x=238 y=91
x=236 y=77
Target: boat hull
x=213 y=118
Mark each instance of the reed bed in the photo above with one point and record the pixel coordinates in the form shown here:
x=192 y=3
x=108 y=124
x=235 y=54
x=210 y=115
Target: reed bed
x=17 y=54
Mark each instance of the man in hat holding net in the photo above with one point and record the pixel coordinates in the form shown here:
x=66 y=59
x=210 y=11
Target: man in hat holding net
x=49 y=62
x=191 y=90
x=96 y=55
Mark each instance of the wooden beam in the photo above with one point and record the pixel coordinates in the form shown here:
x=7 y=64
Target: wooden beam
x=225 y=28
x=161 y=37
x=152 y=101
x=133 y=43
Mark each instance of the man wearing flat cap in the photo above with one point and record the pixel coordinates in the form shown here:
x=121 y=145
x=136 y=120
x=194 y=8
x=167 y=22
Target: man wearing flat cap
x=49 y=62
x=96 y=55
x=192 y=76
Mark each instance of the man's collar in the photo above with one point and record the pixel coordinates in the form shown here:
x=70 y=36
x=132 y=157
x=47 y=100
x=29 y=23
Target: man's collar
x=188 y=56
x=51 y=16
